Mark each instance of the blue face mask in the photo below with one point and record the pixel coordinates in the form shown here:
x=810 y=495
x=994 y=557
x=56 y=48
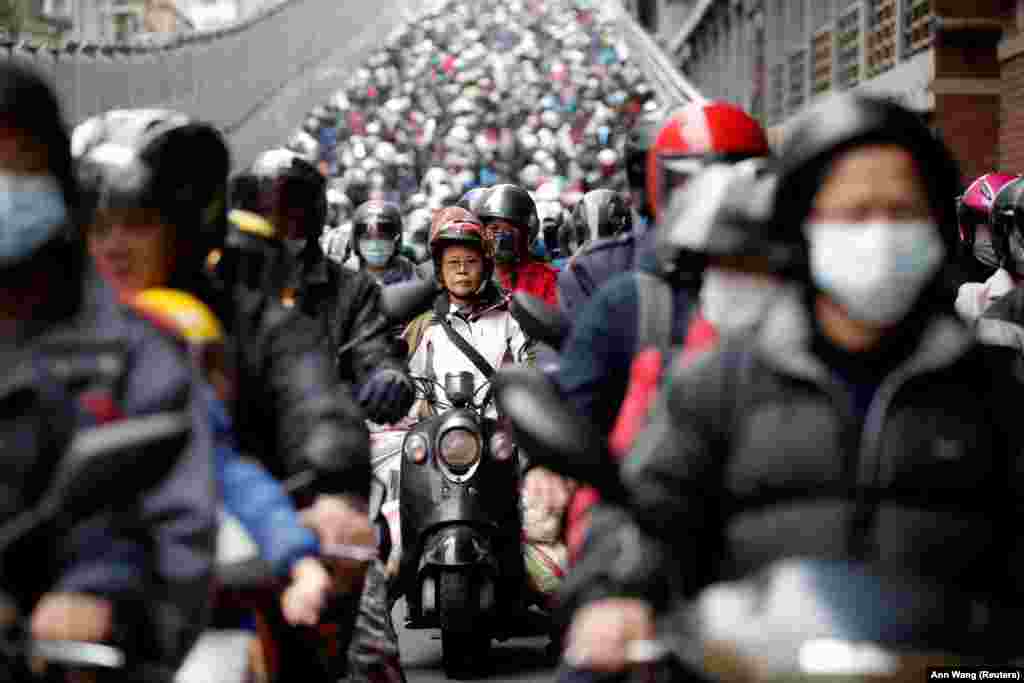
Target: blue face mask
x=32 y=212
x=377 y=253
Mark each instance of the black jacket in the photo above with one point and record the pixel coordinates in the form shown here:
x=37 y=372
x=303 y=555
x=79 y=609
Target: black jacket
x=346 y=303
x=289 y=413
x=754 y=454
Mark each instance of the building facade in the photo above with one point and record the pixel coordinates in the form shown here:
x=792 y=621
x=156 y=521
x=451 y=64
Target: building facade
x=960 y=63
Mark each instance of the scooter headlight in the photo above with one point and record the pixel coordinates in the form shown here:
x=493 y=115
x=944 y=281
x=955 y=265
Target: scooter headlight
x=460 y=449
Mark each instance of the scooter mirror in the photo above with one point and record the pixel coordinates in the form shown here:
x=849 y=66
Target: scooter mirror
x=114 y=463
x=552 y=434
x=406 y=300
x=540 y=321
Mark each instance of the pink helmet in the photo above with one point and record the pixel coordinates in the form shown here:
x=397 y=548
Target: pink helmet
x=974 y=211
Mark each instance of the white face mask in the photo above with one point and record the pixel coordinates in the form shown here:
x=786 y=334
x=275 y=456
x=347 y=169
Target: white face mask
x=874 y=270
x=735 y=302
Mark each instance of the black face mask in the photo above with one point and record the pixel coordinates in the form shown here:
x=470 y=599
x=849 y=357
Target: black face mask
x=505 y=247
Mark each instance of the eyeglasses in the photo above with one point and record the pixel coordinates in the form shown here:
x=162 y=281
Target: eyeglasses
x=462 y=264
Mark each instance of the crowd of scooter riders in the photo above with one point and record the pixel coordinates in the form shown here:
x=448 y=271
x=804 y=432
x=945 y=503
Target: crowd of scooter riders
x=693 y=405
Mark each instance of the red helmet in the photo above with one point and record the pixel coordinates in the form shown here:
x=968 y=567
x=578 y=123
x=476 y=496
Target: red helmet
x=457 y=226
x=700 y=133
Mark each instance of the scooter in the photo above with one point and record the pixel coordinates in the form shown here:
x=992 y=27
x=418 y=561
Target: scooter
x=795 y=618
x=462 y=566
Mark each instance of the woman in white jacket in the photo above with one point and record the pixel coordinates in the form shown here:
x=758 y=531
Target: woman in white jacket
x=471 y=305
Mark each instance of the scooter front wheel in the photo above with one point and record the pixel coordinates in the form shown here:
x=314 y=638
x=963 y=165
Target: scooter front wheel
x=465 y=654
x=465 y=644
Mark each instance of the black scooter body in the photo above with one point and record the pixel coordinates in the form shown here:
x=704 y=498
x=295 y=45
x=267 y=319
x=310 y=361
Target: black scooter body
x=468 y=524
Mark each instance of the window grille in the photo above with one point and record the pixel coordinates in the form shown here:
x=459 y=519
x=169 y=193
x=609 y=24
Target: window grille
x=822 y=46
x=795 y=94
x=848 y=47
x=917 y=26
x=777 y=93
x=882 y=34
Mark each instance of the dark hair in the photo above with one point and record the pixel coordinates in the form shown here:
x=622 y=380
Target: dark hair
x=28 y=103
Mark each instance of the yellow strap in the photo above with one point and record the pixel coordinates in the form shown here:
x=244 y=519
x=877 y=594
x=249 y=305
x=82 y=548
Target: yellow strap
x=252 y=223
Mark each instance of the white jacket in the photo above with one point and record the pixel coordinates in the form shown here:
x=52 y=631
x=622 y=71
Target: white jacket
x=496 y=336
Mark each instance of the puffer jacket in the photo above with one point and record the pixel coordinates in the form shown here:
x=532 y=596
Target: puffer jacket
x=101 y=365
x=754 y=453
x=495 y=335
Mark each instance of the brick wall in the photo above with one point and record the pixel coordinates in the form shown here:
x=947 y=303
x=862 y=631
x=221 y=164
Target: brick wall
x=967 y=85
x=1011 y=139
x=969 y=125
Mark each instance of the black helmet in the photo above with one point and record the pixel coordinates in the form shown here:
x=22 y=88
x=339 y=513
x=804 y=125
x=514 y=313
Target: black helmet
x=571 y=238
x=1008 y=226
x=552 y=217
x=158 y=159
x=252 y=259
x=510 y=203
x=472 y=200
x=513 y=204
x=339 y=207
x=634 y=154
x=278 y=183
x=357 y=185
x=377 y=219
x=602 y=213
x=851 y=120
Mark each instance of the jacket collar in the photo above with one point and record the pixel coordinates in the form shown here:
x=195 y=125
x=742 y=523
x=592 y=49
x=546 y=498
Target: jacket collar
x=491 y=295
x=784 y=341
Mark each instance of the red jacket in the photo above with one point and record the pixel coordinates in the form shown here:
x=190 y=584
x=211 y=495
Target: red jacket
x=536 y=278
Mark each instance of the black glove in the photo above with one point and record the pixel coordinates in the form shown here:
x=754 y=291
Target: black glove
x=387 y=396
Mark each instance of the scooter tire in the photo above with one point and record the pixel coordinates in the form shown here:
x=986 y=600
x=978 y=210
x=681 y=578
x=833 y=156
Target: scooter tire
x=456 y=604
x=465 y=655
x=464 y=648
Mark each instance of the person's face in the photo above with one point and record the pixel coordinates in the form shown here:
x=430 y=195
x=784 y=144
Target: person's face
x=133 y=248
x=868 y=189
x=463 y=271
x=878 y=183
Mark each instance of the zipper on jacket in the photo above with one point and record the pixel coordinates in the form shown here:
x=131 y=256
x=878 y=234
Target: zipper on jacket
x=869 y=461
